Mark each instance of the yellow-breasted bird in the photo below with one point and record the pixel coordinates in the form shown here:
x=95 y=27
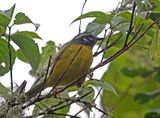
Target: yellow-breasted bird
x=73 y=60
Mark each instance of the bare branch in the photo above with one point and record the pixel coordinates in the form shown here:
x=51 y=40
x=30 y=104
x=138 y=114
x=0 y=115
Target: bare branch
x=10 y=57
x=80 y=22
x=131 y=24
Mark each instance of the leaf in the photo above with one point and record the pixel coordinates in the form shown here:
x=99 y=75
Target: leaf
x=21 y=18
x=101 y=17
x=104 y=85
x=29 y=48
x=47 y=104
x=95 y=28
x=6 y=16
x=4 y=56
x=146 y=96
x=3 y=91
x=155 y=46
x=116 y=20
x=88 y=91
x=44 y=104
x=2 y=30
x=47 y=51
x=21 y=56
x=130 y=72
x=31 y=34
x=154 y=113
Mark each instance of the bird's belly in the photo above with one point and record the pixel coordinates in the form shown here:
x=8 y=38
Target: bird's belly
x=74 y=63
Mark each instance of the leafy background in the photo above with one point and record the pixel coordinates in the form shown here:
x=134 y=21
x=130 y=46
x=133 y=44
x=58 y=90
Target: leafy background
x=134 y=75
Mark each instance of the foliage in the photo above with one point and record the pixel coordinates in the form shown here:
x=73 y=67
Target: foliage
x=130 y=85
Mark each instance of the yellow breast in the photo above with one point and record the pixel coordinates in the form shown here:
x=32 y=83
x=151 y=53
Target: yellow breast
x=72 y=62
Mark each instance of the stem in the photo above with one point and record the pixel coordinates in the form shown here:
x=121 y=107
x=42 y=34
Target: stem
x=10 y=57
x=80 y=22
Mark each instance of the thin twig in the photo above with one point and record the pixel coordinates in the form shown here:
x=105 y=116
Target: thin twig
x=46 y=75
x=109 y=46
x=97 y=66
x=131 y=24
x=119 y=52
x=97 y=94
x=103 y=112
x=61 y=76
x=80 y=22
x=61 y=107
x=105 y=32
x=107 y=42
x=81 y=110
x=10 y=57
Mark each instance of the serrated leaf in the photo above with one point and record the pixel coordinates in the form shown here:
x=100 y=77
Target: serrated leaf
x=6 y=16
x=29 y=48
x=4 y=56
x=3 y=91
x=104 y=85
x=21 y=18
x=100 y=16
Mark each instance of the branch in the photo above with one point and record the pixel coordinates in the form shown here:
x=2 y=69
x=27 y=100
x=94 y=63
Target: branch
x=10 y=57
x=66 y=69
x=80 y=22
x=131 y=24
x=49 y=62
x=50 y=110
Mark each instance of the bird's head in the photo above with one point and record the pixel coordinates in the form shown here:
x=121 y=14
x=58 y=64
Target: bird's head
x=86 y=38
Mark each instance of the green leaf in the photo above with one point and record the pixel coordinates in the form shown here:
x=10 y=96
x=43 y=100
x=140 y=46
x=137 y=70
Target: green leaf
x=44 y=104
x=101 y=17
x=21 y=18
x=31 y=34
x=130 y=71
x=2 y=30
x=21 y=56
x=104 y=85
x=154 y=113
x=85 y=90
x=4 y=56
x=49 y=103
x=6 y=16
x=95 y=28
x=3 y=91
x=117 y=39
x=155 y=46
x=146 y=96
x=47 y=51
x=29 y=48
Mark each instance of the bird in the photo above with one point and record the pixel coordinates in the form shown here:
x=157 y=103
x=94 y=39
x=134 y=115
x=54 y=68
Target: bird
x=70 y=63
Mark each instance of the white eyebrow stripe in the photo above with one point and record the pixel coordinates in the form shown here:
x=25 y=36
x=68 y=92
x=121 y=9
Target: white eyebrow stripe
x=85 y=39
